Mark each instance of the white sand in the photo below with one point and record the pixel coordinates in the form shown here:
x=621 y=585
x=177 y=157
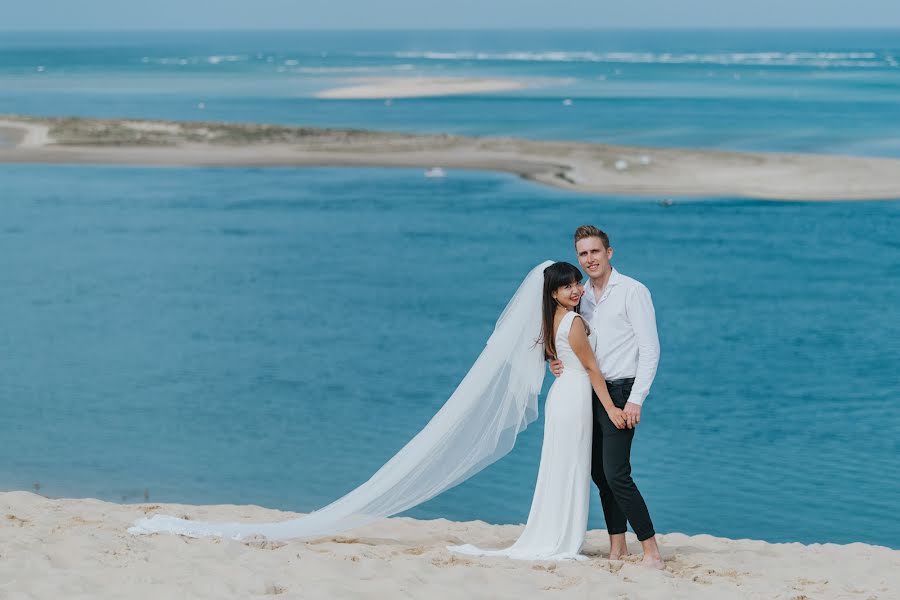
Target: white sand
x=79 y=549
x=172 y=128
x=418 y=87
x=24 y=135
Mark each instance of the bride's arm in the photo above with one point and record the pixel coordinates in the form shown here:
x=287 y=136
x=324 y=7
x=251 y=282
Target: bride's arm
x=578 y=339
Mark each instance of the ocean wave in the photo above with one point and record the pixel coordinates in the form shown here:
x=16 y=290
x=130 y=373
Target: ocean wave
x=805 y=59
x=214 y=59
x=283 y=65
x=866 y=59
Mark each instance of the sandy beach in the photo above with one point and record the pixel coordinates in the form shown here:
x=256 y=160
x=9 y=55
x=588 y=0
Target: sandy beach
x=16 y=134
x=417 y=87
x=79 y=548
x=577 y=166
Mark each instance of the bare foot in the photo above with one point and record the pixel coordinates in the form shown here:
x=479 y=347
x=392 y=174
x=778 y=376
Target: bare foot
x=652 y=557
x=653 y=562
x=617 y=546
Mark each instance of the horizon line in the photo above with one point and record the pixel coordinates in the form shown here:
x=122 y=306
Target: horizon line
x=889 y=28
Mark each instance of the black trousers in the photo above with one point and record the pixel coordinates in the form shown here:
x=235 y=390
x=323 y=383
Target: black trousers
x=611 y=470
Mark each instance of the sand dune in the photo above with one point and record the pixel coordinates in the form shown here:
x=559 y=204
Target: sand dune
x=80 y=549
x=586 y=167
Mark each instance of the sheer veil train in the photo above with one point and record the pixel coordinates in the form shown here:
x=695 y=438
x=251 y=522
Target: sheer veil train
x=477 y=426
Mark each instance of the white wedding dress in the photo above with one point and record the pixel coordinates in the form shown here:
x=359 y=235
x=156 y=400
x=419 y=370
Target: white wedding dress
x=557 y=522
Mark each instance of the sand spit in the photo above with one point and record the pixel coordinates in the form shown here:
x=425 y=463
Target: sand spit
x=417 y=87
x=579 y=166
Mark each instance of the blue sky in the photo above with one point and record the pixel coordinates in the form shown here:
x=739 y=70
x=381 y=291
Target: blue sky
x=443 y=14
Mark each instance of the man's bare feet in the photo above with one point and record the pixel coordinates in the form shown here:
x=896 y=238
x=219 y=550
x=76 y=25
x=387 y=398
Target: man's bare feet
x=653 y=562
x=652 y=557
x=617 y=546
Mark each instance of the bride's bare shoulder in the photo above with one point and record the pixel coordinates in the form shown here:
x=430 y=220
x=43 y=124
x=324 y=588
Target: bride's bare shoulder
x=579 y=332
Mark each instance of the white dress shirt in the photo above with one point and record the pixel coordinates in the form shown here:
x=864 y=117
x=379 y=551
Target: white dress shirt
x=625 y=322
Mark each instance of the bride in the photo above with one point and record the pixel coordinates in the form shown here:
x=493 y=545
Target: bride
x=557 y=521
x=478 y=425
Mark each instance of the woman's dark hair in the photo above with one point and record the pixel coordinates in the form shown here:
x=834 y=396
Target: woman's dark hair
x=555 y=276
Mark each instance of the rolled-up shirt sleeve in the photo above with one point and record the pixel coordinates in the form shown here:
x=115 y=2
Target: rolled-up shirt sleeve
x=639 y=306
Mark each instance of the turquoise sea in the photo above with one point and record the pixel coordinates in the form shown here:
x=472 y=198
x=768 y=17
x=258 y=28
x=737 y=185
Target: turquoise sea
x=272 y=336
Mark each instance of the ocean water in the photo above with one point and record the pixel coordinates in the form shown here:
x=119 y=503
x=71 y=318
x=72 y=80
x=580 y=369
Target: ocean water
x=272 y=336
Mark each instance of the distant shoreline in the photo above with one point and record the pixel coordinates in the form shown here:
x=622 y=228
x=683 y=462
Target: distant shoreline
x=577 y=166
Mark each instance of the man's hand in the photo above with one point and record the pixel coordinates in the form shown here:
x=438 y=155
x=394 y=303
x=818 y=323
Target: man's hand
x=556 y=367
x=632 y=414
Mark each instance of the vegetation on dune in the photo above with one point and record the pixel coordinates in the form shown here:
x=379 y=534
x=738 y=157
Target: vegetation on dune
x=75 y=131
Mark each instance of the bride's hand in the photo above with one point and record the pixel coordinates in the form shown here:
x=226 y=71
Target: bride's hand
x=617 y=417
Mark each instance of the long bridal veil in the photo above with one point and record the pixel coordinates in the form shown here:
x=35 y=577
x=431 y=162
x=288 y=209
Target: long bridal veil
x=477 y=425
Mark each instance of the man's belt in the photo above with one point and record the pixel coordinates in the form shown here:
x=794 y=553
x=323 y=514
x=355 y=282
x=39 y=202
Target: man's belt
x=620 y=382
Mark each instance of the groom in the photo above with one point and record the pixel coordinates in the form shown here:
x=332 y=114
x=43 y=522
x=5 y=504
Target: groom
x=620 y=311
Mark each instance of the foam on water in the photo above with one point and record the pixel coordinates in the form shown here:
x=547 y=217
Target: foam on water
x=800 y=59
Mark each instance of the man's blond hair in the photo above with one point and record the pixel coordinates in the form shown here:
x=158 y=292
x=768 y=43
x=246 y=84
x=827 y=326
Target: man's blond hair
x=586 y=231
